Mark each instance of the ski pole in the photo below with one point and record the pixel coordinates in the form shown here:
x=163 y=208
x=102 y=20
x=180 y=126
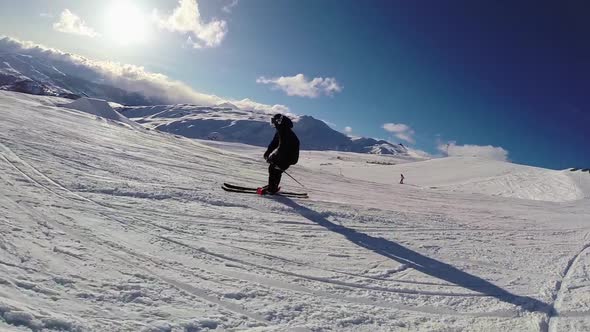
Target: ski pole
x=294 y=179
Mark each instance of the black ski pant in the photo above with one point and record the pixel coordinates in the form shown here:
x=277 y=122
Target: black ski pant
x=275 y=171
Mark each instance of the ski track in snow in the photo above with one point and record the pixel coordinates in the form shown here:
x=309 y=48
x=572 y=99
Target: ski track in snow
x=552 y=325
x=110 y=228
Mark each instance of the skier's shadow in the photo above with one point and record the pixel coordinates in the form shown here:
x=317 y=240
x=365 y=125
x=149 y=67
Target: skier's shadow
x=421 y=263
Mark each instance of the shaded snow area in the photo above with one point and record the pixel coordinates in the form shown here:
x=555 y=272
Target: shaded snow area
x=107 y=228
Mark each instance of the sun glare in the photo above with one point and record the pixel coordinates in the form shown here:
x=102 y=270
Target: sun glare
x=126 y=23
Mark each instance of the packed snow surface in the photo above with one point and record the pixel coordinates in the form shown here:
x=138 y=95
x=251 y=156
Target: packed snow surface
x=477 y=175
x=107 y=228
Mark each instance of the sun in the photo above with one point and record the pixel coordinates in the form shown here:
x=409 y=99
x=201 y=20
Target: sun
x=126 y=24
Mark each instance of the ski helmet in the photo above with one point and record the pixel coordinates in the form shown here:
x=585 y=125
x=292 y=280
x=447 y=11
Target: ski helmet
x=277 y=119
x=280 y=120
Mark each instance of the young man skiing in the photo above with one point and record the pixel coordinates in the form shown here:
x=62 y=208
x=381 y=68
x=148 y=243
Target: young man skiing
x=282 y=152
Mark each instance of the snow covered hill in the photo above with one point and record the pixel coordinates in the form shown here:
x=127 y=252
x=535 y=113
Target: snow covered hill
x=452 y=174
x=231 y=124
x=100 y=108
x=477 y=175
x=107 y=228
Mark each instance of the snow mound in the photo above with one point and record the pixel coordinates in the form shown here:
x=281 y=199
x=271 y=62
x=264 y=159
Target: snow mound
x=100 y=108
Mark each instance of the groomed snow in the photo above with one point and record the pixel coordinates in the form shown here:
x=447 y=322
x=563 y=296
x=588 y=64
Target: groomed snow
x=477 y=175
x=106 y=228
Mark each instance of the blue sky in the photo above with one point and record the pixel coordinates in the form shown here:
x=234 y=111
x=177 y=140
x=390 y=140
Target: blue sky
x=499 y=79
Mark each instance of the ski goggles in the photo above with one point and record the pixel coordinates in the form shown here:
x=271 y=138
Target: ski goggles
x=276 y=120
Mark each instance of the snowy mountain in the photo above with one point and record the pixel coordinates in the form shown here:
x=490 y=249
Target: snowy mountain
x=232 y=124
x=39 y=71
x=225 y=121
x=227 y=105
x=55 y=77
x=107 y=227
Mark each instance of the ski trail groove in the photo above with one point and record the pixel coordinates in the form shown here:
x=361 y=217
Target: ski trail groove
x=38 y=178
x=200 y=293
x=115 y=248
x=179 y=285
x=16 y=159
x=320 y=279
x=553 y=316
x=237 y=309
x=364 y=301
x=269 y=256
x=317 y=279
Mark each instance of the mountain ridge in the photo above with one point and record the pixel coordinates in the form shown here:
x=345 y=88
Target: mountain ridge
x=54 y=76
x=251 y=127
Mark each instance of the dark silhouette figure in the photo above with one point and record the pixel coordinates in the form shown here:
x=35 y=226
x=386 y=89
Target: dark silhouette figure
x=282 y=152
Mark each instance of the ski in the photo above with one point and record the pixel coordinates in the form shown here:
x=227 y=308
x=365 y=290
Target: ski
x=251 y=190
x=233 y=186
x=283 y=194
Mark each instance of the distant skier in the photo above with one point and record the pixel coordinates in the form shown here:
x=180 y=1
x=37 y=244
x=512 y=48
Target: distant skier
x=401 y=180
x=282 y=152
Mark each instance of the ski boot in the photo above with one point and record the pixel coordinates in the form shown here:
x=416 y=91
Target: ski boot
x=266 y=190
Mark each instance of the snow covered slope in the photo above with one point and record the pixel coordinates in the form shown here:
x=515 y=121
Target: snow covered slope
x=227 y=123
x=106 y=228
x=476 y=175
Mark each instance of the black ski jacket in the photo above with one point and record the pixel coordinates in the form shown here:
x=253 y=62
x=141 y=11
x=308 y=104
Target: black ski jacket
x=285 y=145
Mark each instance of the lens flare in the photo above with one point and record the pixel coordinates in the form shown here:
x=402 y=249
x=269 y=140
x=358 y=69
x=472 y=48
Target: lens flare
x=126 y=24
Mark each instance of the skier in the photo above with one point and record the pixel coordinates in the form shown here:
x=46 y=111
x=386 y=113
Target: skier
x=282 y=152
x=401 y=181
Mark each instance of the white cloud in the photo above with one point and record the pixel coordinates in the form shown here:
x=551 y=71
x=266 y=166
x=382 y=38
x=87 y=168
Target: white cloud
x=396 y=127
x=228 y=8
x=128 y=77
x=348 y=130
x=73 y=24
x=418 y=153
x=483 y=151
x=269 y=109
x=401 y=131
x=186 y=18
x=299 y=85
